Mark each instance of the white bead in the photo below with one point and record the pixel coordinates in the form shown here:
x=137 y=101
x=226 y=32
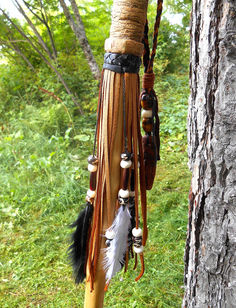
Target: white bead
x=146 y=113
x=138 y=249
x=132 y=193
x=125 y=164
x=137 y=232
x=124 y=193
x=110 y=234
x=92 y=168
x=91 y=193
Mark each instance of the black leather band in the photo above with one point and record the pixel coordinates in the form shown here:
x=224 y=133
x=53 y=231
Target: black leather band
x=121 y=63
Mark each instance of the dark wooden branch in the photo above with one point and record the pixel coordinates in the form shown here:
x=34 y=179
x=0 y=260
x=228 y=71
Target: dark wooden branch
x=51 y=94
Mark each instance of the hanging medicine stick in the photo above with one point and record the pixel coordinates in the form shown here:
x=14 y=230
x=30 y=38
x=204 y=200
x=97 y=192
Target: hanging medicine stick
x=117 y=132
x=107 y=232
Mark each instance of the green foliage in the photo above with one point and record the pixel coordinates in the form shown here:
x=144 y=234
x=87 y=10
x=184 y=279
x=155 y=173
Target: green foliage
x=97 y=20
x=173 y=46
x=43 y=181
x=172 y=54
x=181 y=7
x=44 y=143
x=173 y=109
x=19 y=85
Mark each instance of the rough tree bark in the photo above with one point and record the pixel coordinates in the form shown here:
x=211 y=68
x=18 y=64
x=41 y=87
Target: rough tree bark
x=210 y=255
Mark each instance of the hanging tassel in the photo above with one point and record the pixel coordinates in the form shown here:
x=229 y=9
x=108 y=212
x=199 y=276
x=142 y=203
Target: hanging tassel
x=117 y=236
x=78 y=248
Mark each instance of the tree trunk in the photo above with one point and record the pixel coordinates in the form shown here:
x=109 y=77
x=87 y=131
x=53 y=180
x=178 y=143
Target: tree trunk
x=77 y=27
x=210 y=255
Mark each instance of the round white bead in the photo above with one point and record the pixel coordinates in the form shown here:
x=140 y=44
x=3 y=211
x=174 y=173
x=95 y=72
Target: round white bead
x=132 y=193
x=92 y=168
x=124 y=193
x=125 y=164
x=146 y=113
x=138 y=249
x=91 y=193
x=110 y=234
x=137 y=232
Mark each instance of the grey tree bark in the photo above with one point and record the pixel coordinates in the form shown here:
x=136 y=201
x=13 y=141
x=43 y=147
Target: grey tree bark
x=210 y=255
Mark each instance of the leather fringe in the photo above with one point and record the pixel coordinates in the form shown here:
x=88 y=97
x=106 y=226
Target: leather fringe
x=110 y=144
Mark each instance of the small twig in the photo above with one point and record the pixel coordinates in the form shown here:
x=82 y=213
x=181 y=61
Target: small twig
x=51 y=94
x=59 y=100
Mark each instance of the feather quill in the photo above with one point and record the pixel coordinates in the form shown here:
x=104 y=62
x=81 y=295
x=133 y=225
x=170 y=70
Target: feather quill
x=114 y=255
x=78 y=249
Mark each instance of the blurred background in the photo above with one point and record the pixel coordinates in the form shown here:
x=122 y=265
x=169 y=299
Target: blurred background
x=48 y=100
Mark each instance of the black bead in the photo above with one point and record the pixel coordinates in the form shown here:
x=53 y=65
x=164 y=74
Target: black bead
x=126 y=155
x=92 y=159
x=108 y=243
x=123 y=201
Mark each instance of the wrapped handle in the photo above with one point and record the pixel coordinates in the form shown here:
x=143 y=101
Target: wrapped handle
x=126 y=33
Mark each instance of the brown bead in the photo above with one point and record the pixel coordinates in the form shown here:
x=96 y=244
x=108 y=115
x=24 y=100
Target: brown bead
x=132 y=182
x=147 y=125
x=92 y=183
x=125 y=178
x=147 y=104
x=92 y=159
x=149 y=154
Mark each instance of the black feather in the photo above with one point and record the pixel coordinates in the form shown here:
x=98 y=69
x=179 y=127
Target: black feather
x=79 y=239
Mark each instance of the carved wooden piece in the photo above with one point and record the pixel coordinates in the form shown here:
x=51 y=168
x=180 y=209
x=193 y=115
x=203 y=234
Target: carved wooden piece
x=149 y=160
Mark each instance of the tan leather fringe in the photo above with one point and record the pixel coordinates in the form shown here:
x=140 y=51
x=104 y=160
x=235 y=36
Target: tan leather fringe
x=135 y=153
x=142 y=179
x=110 y=145
x=142 y=267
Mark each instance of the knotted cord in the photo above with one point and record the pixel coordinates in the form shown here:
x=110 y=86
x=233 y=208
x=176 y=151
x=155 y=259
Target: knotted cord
x=149 y=103
x=147 y=59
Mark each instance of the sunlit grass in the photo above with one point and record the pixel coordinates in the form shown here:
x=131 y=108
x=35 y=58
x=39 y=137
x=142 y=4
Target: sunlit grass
x=43 y=182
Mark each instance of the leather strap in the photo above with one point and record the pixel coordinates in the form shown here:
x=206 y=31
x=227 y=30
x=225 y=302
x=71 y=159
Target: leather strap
x=121 y=63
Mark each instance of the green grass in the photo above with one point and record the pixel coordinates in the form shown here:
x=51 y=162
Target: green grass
x=43 y=182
